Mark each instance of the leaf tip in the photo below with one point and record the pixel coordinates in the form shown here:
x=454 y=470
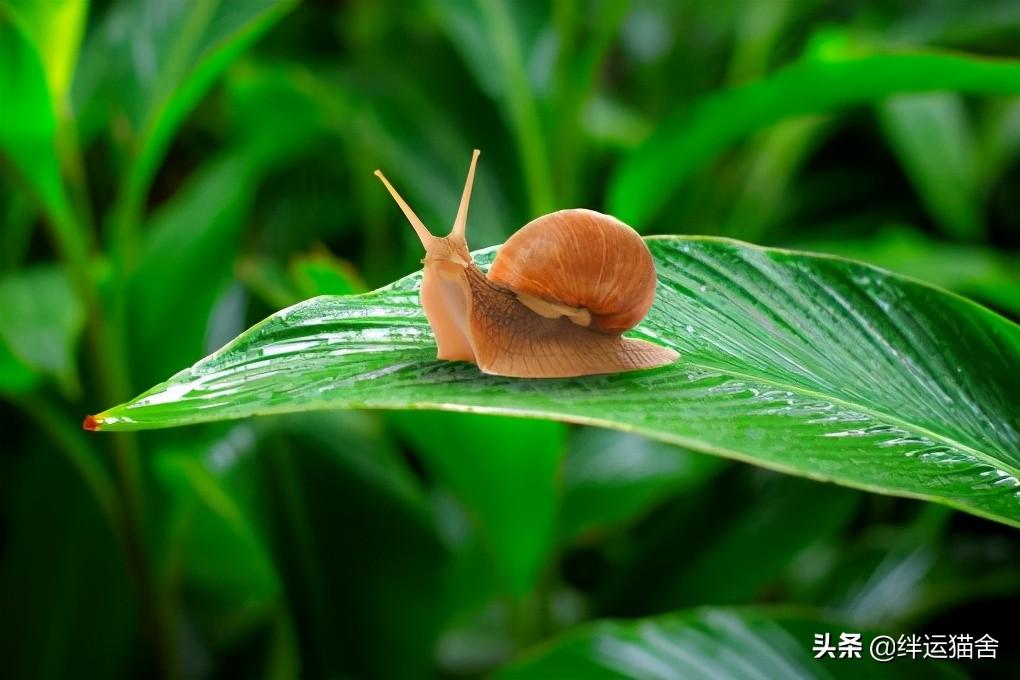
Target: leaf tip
x=91 y=423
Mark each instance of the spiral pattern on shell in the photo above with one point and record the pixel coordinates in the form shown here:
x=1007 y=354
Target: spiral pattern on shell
x=581 y=258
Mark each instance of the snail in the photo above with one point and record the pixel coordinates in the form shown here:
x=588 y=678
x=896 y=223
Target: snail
x=554 y=303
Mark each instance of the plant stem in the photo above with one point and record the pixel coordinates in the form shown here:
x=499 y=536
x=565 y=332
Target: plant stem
x=567 y=119
x=157 y=610
x=79 y=453
x=286 y=486
x=74 y=245
x=74 y=169
x=575 y=77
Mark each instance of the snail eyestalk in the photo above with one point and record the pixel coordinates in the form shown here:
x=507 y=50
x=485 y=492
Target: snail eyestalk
x=460 y=224
x=426 y=237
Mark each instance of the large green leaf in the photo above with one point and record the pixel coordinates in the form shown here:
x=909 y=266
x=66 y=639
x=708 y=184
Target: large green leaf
x=806 y=364
x=693 y=138
x=712 y=643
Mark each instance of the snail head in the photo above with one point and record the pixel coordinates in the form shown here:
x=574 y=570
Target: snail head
x=451 y=248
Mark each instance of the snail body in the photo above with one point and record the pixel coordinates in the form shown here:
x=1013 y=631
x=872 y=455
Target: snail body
x=554 y=303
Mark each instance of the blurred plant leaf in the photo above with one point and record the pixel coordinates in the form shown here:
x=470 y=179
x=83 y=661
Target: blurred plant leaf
x=497 y=41
x=15 y=376
x=403 y=130
x=411 y=156
x=28 y=130
x=63 y=433
x=880 y=579
x=787 y=519
x=62 y=612
x=55 y=27
x=186 y=261
x=268 y=280
x=464 y=23
x=973 y=270
x=809 y=365
x=149 y=64
x=933 y=138
x=773 y=160
x=322 y=274
x=582 y=37
x=611 y=122
x=691 y=139
x=998 y=138
x=894 y=575
x=479 y=632
x=215 y=550
x=19 y=218
x=471 y=572
x=271 y=107
x=41 y=323
x=755 y=38
x=611 y=477
x=956 y=25
x=356 y=547
x=356 y=443
x=504 y=471
x=702 y=643
x=305 y=276
x=382 y=119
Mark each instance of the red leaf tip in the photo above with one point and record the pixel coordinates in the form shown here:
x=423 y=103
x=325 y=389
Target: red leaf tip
x=91 y=423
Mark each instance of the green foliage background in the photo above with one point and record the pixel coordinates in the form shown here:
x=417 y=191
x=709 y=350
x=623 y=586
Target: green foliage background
x=174 y=172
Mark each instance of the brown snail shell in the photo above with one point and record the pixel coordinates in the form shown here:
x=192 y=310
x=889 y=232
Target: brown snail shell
x=581 y=259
